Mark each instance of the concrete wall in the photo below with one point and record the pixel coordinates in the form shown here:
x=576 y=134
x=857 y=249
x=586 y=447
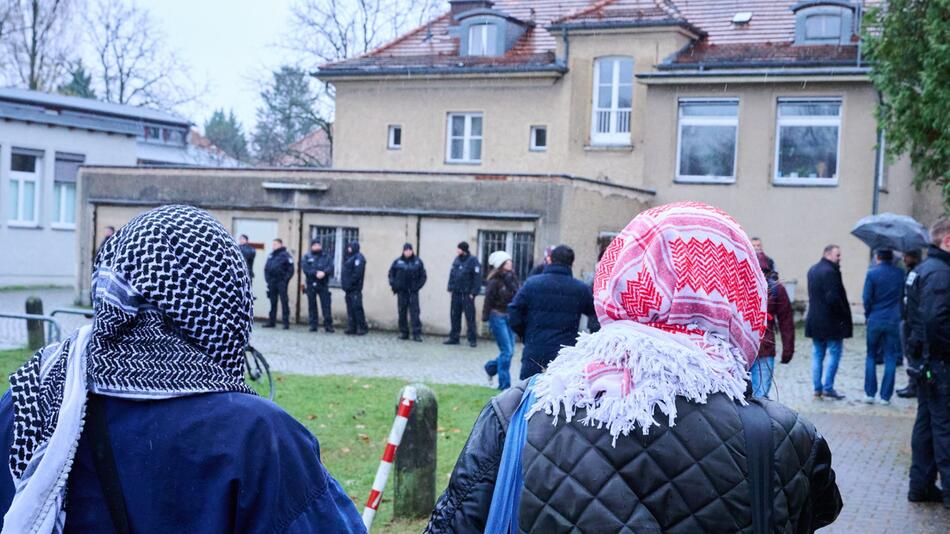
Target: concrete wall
x=43 y=254
x=434 y=212
x=795 y=222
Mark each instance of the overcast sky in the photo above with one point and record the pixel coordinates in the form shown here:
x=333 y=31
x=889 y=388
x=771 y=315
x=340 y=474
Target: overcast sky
x=230 y=46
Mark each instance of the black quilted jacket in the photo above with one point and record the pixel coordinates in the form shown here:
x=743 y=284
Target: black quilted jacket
x=690 y=478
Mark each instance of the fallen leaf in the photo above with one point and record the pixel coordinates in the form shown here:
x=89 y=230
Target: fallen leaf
x=364 y=438
x=366 y=386
x=360 y=427
x=441 y=429
x=311 y=417
x=456 y=430
x=455 y=408
x=322 y=425
x=345 y=450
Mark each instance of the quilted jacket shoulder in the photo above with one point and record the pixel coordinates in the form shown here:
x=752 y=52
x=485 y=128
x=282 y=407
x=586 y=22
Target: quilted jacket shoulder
x=691 y=477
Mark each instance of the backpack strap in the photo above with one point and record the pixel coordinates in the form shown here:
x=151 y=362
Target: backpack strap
x=105 y=465
x=506 y=498
x=757 y=426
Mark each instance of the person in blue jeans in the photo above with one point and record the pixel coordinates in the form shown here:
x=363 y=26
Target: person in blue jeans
x=499 y=291
x=883 y=288
x=828 y=321
x=781 y=321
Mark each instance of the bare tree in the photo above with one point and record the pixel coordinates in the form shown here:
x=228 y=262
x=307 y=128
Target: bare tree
x=323 y=31
x=36 y=40
x=331 y=30
x=132 y=62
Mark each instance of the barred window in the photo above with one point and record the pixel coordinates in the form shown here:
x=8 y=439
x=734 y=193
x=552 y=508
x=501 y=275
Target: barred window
x=519 y=244
x=334 y=240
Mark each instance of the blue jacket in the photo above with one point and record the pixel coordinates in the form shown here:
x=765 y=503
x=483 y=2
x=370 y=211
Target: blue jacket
x=883 y=288
x=354 y=268
x=216 y=463
x=546 y=312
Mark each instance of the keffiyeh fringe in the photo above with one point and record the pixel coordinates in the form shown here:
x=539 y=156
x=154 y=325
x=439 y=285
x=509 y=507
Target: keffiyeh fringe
x=662 y=366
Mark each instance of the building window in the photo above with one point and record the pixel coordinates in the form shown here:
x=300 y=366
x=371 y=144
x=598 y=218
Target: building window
x=807 y=142
x=519 y=244
x=334 y=240
x=24 y=187
x=464 y=144
x=613 y=101
x=539 y=138
x=395 y=137
x=706 y=142
x=603 y=241
x=483 y=40
x=823 y=26
x=64 y=189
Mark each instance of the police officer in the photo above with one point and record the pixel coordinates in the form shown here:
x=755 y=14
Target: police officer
x=318 y=269
x=928 y=315
x=248 y=252
x=465 y=283
x=351 y=279
x=278 y=271
x=407 y=275
x=911 y=261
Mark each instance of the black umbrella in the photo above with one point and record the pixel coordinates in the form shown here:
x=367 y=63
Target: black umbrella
x=891 y=231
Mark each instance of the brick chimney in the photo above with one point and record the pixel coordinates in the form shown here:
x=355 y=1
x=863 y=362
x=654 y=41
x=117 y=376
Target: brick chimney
x=460 y=6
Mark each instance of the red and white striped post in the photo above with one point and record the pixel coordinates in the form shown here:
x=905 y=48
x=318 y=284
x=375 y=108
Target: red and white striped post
x=386 y=462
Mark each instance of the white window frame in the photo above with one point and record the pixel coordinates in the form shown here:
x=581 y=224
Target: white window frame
x=489 y=46
x=532 y=142
x=466 y=138
x=391 y=137
x=22 y=177
x=617 y=116
x=706 y=121
x=60 y=209
x=813 y=120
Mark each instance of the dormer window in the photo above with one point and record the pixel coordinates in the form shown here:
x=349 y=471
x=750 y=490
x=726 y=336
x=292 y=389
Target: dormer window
x=823 y=22
x=483 y=40
x=823 y=27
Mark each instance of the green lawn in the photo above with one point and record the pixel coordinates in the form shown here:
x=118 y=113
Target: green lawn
x=351 y=417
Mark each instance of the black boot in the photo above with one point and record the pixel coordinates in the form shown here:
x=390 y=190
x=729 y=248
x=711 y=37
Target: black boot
x=909 y=392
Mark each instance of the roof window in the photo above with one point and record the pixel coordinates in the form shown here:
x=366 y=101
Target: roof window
x=742 y=17
x=825 y=22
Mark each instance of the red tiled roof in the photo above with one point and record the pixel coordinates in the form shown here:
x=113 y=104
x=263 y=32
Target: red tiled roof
x=760 y=54
x=772 y=26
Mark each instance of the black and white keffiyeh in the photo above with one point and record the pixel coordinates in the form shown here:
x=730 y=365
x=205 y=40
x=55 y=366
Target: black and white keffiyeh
x=173 y=312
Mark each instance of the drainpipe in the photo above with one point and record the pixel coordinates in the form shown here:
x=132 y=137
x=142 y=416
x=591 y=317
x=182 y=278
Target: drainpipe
x=878 y=168
x=567 y=46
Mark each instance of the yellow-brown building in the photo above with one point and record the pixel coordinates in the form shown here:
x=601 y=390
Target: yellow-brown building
x=519 y=124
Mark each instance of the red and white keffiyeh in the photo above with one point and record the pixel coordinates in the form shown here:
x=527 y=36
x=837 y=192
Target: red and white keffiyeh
x=682 y=301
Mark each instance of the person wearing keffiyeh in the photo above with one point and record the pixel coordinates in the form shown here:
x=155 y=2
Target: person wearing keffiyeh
x=193 y=448
x=639 y=426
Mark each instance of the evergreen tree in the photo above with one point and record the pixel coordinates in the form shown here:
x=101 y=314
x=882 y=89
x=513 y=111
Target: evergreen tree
x=908 y=45
x=287 y=115
x=227 y=134
x=80 y=83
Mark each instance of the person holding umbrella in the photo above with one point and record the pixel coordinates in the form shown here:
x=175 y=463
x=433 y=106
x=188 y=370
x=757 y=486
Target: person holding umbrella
x=883 y=288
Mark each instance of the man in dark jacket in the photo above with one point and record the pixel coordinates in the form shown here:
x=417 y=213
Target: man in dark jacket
x=546 y=311
x=407 y=275
x=545 y=261
x=828 y=321
x=883 y=287
x=912 y=259
x=781 y=319
x=928 y=314
x=278 y=271
x=248 y=252
x=318 y=269
x=351 y=280
x=465 y=283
